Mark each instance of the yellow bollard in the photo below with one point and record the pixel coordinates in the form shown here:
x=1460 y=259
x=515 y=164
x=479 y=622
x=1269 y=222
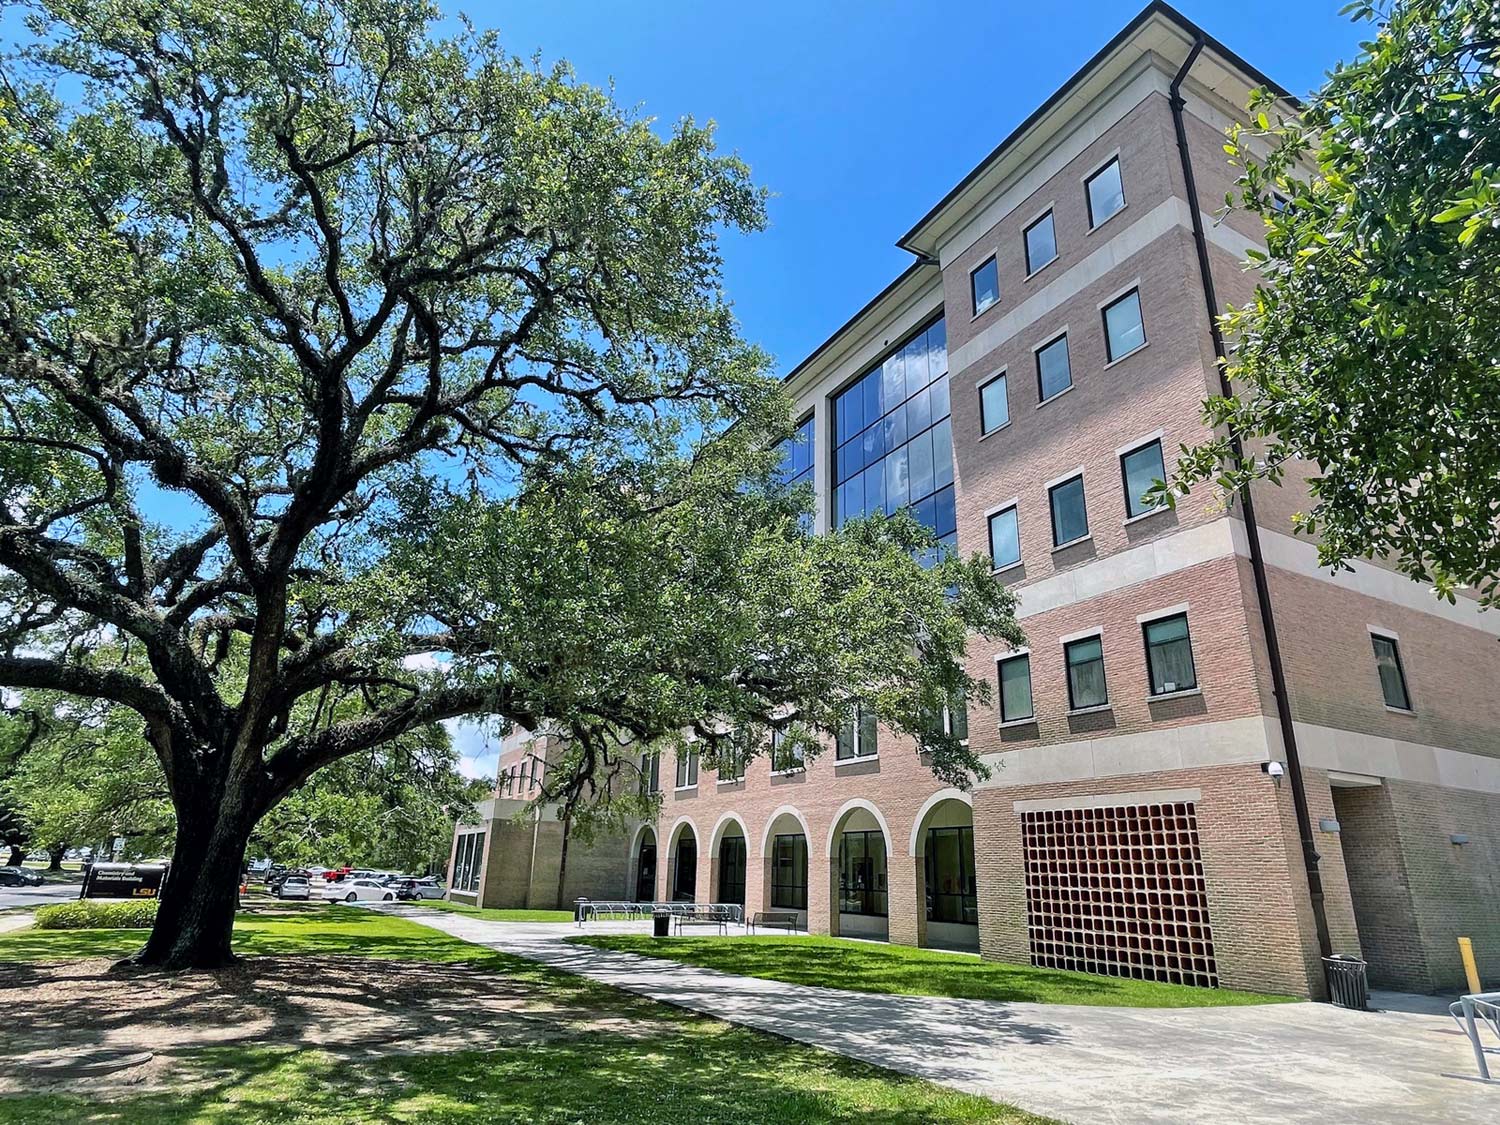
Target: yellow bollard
x=1466 y=951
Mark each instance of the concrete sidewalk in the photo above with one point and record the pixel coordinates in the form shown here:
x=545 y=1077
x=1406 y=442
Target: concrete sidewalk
x=1273 y=1063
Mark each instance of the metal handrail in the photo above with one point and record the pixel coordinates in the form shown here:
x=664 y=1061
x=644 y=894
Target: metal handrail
x=590 y=910
x=1468 y=1011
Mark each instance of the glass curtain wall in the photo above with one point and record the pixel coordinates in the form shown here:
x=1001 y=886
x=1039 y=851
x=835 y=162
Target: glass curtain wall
x=789 y=872
x=951 y=891
x=862 y=873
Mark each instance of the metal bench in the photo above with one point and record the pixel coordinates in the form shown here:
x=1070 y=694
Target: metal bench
x=788 y=920
x=703 y=915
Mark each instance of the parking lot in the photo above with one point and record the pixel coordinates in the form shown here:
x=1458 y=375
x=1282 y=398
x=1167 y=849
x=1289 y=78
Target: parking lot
x=37 y=896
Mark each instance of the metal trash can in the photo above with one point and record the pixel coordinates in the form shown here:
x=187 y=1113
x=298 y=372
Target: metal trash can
x=661 y=921
x=1348 y=986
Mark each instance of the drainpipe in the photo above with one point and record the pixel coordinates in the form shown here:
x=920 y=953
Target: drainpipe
x=1252 y=533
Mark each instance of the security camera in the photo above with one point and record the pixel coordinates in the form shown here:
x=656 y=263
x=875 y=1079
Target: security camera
x=1273 y=770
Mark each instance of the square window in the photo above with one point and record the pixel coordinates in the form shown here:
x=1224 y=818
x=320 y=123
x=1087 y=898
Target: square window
x=1085 y=661
x=994 y=405
x=1139 y=469
x=1105 y=192
x=1015 y=688
x=1041 y=243
x=985 y=285
x=1123 y=330
x=1054 y=374
x=1392 y=675
x=1005 y=539
x=1070 y=517
x=1169 y=655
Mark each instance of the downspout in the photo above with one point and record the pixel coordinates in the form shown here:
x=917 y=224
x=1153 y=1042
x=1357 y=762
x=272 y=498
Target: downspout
x=1252 y=533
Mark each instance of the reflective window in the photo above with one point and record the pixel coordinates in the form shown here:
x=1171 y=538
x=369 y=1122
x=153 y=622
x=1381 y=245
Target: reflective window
x=951 y=891
x=650 y=774
x=786 y=756
x=468 y=858
x=797 y=461
x=1123 y=330
x=1054 y=374
x=862 y=873
x=858 y=737
x=1005 y=539
x=984 y=285
x=1392 y=675
x=895 y=447
x=1106 y=195
x=1041 y=243
x=994 y=405
x=687 y=769
x=789 y=872
x=1015 y=688
x=1085 y=661
x=1140 y=468
x=1169 y=655
x=1070 y=518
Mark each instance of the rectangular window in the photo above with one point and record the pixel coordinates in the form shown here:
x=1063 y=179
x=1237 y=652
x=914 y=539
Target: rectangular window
x=468 y=857
x=1015 y=688
x=1085 y=661
x=862 y=873
x=1105 y=192
x=1005 y=539
x=1054 y=374
x=786 y=756
x=951 y=892
x=732 y=758
x=857 y=737
x=1392 y=675
x=1140 y=469
x=789 y=872
x=650 y=774
x=1169 y=655
x=1123 y=330
x=994 y=405
x=1041 y=243
x=687 y=769
x=1070 y=517
x=950 y=719
x=984 y=284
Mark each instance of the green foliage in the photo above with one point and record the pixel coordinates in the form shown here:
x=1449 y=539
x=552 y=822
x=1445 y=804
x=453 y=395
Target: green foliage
x=1369 y=349
x=97 y=914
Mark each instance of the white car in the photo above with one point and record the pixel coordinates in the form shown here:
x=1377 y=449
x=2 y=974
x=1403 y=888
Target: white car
x=358 y=890
x=295 y=887
x=430 y=888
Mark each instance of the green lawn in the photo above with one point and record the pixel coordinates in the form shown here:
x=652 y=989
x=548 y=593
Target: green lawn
x=647 y=1062
x=870 y=967
x=499 y=915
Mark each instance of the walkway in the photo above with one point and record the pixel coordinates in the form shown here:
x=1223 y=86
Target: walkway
x=1274 y=1063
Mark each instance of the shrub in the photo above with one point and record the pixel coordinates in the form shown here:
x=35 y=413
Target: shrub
x=93 y=914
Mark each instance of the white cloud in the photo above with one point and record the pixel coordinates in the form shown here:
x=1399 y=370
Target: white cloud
x=478 y=748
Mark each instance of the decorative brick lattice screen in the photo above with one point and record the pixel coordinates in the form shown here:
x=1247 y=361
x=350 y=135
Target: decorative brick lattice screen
x=1119 y=891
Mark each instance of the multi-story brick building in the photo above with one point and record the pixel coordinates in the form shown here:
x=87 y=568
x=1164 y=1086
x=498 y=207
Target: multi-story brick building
x=1191 y=674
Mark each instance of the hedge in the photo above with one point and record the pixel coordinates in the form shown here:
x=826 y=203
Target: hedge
x=94 y=914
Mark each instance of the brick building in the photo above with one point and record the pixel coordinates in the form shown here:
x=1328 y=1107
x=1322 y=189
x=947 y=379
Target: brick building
x=1189 y=673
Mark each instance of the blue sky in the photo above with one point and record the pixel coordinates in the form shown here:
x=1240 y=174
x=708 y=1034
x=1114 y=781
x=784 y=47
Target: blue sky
x=859 y=117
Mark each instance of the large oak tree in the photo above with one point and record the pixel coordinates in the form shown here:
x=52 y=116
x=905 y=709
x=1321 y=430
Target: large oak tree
x=353 y=379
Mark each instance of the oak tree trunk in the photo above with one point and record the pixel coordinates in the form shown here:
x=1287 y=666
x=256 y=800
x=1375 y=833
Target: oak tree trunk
x=55 y=857
x=17 y=856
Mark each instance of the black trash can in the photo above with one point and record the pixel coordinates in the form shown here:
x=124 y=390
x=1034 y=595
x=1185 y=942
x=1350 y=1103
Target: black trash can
x=661 y=921
x=1348 y=986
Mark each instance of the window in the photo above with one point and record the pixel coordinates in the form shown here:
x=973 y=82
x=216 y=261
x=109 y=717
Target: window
x=732 y=870
x=950 y=719
x=789 y=872
x=1392 y=675
x=1280 y=203
x=650 y=774
x=786 y=756
x=1085 y=661
x=1139 y=469
x=1041 y=243
x=1106 y=195
x=984 y=286
x=1123 y=330
x=994 y=405
x=1005 y=539
x=895 y=445
x=1054 y=374
x=732 y=758
x=468 y=858
x=1169 y=655
x=951 y=891
x=685 y=874
x=797 y=462
x=687 y=769
x=862 y=873
x=857 y=737
x=1015 y=688
x=1070 y=518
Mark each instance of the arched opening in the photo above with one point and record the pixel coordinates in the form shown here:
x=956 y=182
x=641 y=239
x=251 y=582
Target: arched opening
x=859 y=848
x=943 y=848
x=683 y=874
x=785 y=851
x=643 y=866
x=730 y=855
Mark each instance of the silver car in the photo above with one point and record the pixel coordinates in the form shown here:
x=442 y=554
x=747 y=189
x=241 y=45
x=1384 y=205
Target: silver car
x=294 y=888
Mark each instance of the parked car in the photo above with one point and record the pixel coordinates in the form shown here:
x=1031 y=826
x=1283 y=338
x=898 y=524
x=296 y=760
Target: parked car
x=358 y=890
x=294 y=886
x=20 y=877
x=430 y=887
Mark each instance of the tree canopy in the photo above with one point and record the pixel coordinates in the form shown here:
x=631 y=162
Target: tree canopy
x=1370 y=348
x=354 y=378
